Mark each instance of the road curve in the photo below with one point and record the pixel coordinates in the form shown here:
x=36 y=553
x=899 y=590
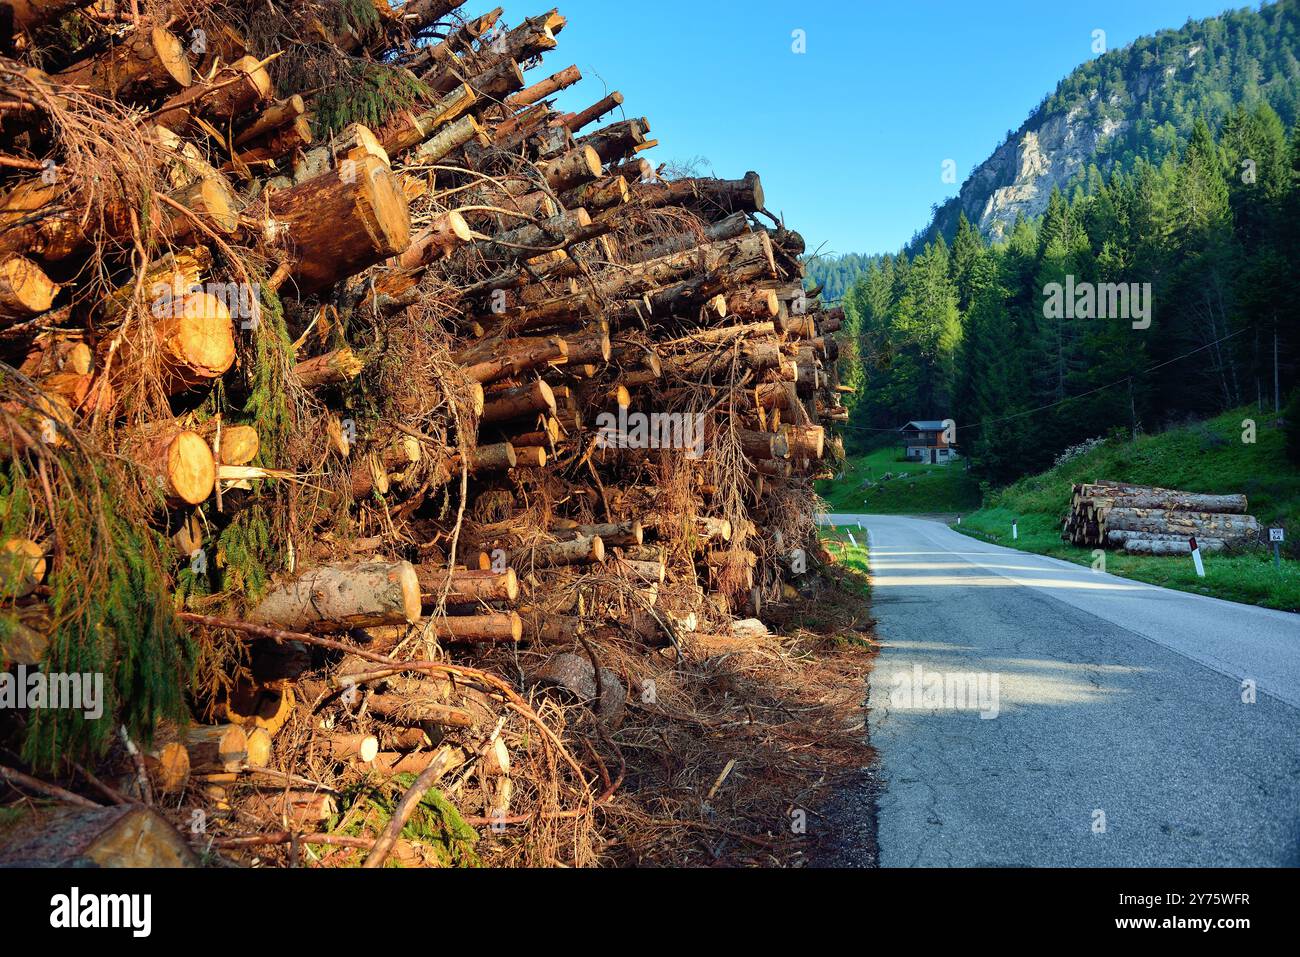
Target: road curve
x=1119 y=726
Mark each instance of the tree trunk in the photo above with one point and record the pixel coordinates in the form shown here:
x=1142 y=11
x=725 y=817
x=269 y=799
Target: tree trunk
x=573 y=169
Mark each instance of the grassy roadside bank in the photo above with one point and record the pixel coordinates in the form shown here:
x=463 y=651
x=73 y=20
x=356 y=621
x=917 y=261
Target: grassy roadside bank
x=1207 y=457
x=912 y=488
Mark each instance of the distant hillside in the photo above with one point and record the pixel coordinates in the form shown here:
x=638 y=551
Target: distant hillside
x=837 y=274
x=1137 y=101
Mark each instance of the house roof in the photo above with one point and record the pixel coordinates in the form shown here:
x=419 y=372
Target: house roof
x=925 y=425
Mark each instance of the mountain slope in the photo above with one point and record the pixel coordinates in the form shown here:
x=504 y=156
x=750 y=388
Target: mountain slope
x=1137 y=101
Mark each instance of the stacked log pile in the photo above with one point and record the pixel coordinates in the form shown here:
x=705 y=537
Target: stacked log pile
x=373 y=372
x=1145 y=520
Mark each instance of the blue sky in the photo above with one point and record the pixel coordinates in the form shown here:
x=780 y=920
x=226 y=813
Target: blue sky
x=850 y=137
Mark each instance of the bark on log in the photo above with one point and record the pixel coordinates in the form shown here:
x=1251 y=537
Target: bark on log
x=539 y=91
x=335 y=228
x=493 y=359
x=612 y=534
x=333 y=368
x=576 y=121
x=517 y=402
x=339 y=597
x=275 y=146
x=407 y=130
x=468 y=586
x=582 y=550
x=723 y=196
x=478 y=629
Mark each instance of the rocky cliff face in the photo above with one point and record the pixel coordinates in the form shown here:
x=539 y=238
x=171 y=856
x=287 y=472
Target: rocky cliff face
x=1020 y=175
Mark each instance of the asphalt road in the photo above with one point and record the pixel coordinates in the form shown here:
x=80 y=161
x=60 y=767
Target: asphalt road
x=1114 y=730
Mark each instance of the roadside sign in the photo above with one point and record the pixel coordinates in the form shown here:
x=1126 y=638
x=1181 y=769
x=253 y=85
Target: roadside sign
x=1276 y=535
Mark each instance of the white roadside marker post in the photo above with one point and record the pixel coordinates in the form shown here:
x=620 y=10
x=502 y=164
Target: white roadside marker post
x=853 y=540
x=1015 y=530
x=1196 y=559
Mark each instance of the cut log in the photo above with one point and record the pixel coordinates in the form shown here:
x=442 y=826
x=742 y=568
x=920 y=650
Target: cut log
x=571 y=170
x=275 y=146
x=254 y=706
x=1201 y=524
x=478 y=629
x=539 y=91
x=617 y=141
x=1166 y=547
x=239 y=443
x=407 y=130
x=231 y=92
x=440 y=239
x=615 y=535
x=344 y=747
x=418 y=710
x=124 y=835
x=195 y=341
x=215 y=748
x=495 y=359
x=176 y=462
x=22 y=567
x=339 y=597
x=168 y=766
x=25 y=289
x=468 y=586
x=715 y=195
x=753 y=303
x=583 y=550
x=519 y=401
x=334 y=228
x=149 y=60
x=279 y=114
x=333 y=368
x=576 y=121
x=805 y=441
x=448 y=138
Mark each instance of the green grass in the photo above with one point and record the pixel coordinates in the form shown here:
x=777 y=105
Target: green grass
x=847 y=555
x=915 y=489
x=1205 y=457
